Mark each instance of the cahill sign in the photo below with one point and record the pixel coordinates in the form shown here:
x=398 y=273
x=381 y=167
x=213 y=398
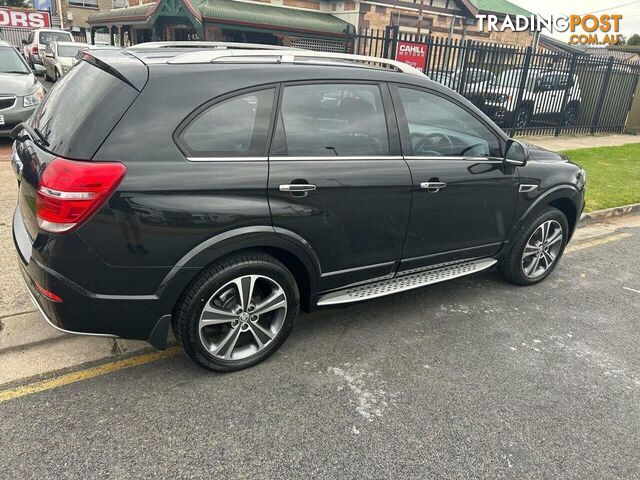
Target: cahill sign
x=20 y=18
x=414 y=54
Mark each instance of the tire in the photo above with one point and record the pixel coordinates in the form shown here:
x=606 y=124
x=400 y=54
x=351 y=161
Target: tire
x=46 y=76
x=235 y=339
x=517 y=268
x=56 y=76
x=521 y=118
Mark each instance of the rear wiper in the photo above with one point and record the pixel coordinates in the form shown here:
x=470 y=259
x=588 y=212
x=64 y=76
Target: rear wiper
x=35 y=134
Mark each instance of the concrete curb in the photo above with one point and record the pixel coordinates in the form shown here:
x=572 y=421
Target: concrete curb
x=602 y=215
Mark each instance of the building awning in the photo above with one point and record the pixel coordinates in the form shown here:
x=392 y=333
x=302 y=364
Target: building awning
x=279 y=17
x=230 y=12
x=139 y=12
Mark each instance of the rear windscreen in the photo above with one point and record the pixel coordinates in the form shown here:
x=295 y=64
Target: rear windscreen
x=80 y=111
x=47 y=37
x=69 y=50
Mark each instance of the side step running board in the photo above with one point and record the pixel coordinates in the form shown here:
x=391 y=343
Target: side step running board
x=405 y=282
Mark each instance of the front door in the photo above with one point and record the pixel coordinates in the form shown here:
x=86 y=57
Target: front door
x=464 y=197
x=336 y=178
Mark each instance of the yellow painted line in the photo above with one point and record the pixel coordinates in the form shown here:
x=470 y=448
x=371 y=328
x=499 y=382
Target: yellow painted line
x=596 y=241
x=81 y=375
x=93 y=372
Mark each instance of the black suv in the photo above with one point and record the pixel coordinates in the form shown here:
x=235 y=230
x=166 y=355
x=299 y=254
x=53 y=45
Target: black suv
x=218 y=191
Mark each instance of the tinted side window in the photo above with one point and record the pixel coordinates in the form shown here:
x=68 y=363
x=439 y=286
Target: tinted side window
x=439 y=127
x=563 y=82
x=81 y=109
x=237 y=127
x=331 y=119
x=548 y=82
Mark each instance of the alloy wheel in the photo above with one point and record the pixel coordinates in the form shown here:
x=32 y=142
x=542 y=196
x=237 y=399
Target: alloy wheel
x=242 y=317
x=542 y=249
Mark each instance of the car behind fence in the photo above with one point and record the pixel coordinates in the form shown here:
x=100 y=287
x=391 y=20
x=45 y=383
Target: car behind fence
x=525 y=91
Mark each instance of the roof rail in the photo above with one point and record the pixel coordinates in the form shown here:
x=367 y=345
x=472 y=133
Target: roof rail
x=288 y=56
x=206 y=45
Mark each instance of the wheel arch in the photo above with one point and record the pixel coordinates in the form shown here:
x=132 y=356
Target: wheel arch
x=565 y=198
x=287 y=247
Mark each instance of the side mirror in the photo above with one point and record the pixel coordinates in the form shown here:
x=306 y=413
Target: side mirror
x=24 y=41
x=515 y=153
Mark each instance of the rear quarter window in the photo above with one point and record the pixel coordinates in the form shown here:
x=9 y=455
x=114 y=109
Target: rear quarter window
x=80 y=111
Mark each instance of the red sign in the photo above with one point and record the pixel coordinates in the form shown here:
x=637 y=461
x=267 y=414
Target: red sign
x=19 y=18
x=414 y=54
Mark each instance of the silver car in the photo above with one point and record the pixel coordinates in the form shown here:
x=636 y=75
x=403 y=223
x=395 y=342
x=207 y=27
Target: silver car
x=59 y=57
x=20 y=92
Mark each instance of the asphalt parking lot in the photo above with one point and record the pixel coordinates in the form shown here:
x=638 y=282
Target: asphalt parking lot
x=473 y=378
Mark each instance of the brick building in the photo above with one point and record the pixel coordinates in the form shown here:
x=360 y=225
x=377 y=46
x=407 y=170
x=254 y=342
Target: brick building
x=305 y=23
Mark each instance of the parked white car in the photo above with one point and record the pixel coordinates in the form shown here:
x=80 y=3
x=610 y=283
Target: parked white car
x=59 y=57
x=542 y=98
x=37 y=41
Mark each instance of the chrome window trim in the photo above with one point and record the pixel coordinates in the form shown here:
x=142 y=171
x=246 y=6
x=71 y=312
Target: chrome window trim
x=284 y=158
x=454 y=157
x=227 y=159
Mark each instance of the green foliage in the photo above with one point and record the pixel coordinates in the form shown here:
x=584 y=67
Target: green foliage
x=634 y=39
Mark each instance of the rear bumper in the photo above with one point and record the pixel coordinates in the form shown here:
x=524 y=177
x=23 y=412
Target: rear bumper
x=137 y=317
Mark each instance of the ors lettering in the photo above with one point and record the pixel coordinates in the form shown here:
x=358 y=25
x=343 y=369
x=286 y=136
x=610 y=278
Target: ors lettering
x=23 y=19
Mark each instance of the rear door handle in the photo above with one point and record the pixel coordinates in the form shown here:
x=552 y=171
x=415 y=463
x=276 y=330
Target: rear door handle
x=433 y=187
x=297 y=187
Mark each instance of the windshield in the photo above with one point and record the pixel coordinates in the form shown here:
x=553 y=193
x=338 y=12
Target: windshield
x=10 y=61
x=509 y=78
x=48 y=37
x=69 y=50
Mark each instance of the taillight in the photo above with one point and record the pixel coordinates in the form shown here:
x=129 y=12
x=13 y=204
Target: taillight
x=34 y=50
x=69 y=192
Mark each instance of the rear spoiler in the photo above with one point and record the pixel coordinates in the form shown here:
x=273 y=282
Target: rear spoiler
x=120 y=64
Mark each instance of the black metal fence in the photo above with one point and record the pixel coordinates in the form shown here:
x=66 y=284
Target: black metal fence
x=525 y=91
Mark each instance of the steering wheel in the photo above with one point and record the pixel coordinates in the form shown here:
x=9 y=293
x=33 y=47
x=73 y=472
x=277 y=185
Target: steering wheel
x=471 y=147
x=424 y=142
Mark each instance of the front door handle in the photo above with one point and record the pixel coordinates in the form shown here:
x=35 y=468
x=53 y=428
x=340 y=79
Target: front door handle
x=433 y=187
x=297 y=187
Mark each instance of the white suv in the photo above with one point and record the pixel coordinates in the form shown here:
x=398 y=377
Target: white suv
x=34 y=46
x=542 y=99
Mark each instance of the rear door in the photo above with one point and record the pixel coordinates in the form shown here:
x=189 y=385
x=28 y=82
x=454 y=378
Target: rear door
x=336 y=178
x=464 y=197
